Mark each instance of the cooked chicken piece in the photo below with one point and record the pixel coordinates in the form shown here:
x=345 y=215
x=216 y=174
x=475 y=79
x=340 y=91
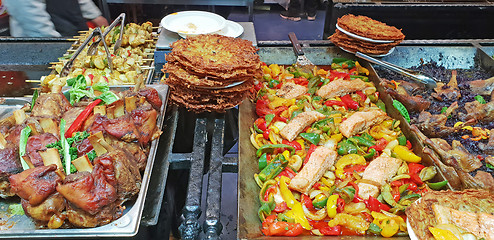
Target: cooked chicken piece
x=299 y=123
x=481 y=87
x=477 y=111
x=90 y=191
x=486 y=179
x=54 y=204
x=51 y=105
x=38 y=143
x=35 y=184
x=435 y=125
x=489 y=147
x=319 y=162
x=360 y=121
x=291 y=90
x=340 y=87
x=448 y=92
x=376 y=174
x=479 y=224
x=457 y=155
x=412 y=103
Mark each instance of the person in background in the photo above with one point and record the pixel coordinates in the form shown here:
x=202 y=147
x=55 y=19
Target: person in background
x=295 y=11
x=52 y=18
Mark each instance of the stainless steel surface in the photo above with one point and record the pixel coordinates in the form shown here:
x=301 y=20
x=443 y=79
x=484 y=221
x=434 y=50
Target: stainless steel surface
x=127 y=225
x=166 y=38
x=428 y=81
x=302 y=61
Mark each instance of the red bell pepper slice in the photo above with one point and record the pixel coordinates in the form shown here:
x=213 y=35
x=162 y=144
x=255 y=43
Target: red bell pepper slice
x=380 y=145
x=356 y=168
x=349 y=102
x=258 y=86
x=265 y=134
x=270 y=190
x=330 y=103
x=301 y=81
x=374 y=205
x=331 y=231
x=363 y=97
x=288 y=172
x=409 y=144
x=340 y=205
x=76 y=125
x=294 y=144
x=280 y=207
x=262 y=108
x=336 y=74
x=270 y=227
x=316 y=185
x=396 y=194
x=312 y=148
x=307 y=202
x=356 y=197
x=261 y=124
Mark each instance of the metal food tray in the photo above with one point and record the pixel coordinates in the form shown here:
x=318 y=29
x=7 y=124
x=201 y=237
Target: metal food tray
x=450 y=54
x=21 y=226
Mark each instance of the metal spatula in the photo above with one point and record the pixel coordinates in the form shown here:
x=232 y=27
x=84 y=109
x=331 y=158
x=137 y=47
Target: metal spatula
x=302 y=61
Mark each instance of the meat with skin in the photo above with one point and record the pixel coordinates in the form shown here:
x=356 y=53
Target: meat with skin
x=44 y=211
x=134 y=148
x=319 y=162
x=82 y=219
x=145 y=122
x=447 y=92
x=341 y=87
x=9 y=162
x=126 y=172
x=457 y=155
x=481 y=87
x=35 y=184
x=90 y=192
x=412 y=103
x=435 y=125
x=478 y=112
x=486 y=179
x=50 y=105
x=38 y=143
x=71 y=115
x=360 y=121
x=14 y=133
x=84 y=147
x=299 y=123
x=152 y=96
x=376 y=174
x=291 y=90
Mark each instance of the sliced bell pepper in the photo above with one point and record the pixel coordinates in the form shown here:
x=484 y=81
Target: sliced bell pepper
x=320 y=201
x=76 y=125
x=269 y=118
x=263 y=161
x=274 y=168
x=280 y=207
x=380 y=145
x=437 y=185
x=389 y=227
x=375 y=206
x=370 y=154
x=288 y=172
x=331 y=231
x=363 y=97
x=294 y=144
x=374 y=228
x=313 y=138
x=272 y=147
x=349 y=102
x=332 y=205
x=331 y=103
x=272 y=227
x=361 y=141
x=442 y=234
x=402 y=140
x=346 y=147
x=402 y=152
x=261 y=125
x=307 y=202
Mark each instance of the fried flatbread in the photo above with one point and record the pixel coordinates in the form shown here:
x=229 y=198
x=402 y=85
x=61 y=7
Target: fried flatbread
x=370 y=28
x=421 y=214
x=355 y=45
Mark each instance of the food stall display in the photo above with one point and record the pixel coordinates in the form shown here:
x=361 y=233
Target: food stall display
x=131 y=61
x=331 y=161
x=211 y=72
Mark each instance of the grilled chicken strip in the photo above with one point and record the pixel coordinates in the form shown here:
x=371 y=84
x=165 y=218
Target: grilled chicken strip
x=291 y=90
x=479 y=224
x=319 y=162
x=360 y=121
x=340 y=87
x=376 y=174
x=299 y=123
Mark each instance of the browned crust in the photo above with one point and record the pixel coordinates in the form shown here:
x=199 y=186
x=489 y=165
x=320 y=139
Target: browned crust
x=355 y=45
x=421 y=216
x=370 y=28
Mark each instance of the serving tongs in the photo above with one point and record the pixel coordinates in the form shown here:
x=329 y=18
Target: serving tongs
x=428 y=81
x=68 y=65
x=302 y=61
x=94 y=46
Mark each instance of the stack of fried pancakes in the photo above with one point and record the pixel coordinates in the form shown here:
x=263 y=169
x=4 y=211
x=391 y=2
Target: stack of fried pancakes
x=387 y=36
x=211 y=72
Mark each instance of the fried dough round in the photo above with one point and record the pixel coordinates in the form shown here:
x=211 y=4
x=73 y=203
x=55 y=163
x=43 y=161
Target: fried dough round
x=369 y=28
x=355 y=45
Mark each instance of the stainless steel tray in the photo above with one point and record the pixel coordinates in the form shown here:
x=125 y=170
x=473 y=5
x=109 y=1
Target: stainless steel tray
x=248 y=224
x=21 y=226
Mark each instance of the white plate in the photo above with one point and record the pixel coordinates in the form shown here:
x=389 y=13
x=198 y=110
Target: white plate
x=360 y=37
x=232 y=29
x=411 y=233
x=189 y=23
x=372 y=55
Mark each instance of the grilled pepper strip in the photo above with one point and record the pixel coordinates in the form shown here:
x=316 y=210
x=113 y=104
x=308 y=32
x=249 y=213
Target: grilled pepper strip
x=80 y=119
x=313 y=138
x=263 y=161
x=331 y=205
x=361 y=141
x=437 y=185
x=349 y=102
x=269 y=205
x=272 y=147
x=402 y=109
x=273 y=169
x=402 y=152
x=346 y=147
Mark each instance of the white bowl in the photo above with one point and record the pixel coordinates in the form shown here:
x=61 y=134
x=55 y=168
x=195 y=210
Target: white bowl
x=190 y=23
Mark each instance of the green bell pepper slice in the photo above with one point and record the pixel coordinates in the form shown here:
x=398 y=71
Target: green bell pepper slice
x=272 y=147
x=273 y=169
x=269 y=118
x=373 y=228
x=263 y=161
x=437 y=185
x=363 y=78
x=313 y=138
x=370 y=154
x=361 y=141
x=320 y=204
x=345 y=147
x=402 y=140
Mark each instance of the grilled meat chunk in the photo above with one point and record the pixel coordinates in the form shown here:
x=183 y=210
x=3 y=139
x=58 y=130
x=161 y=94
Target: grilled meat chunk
x=38 y=143
x=151 y=96
x=9 y=162
x=43 y=212
x=35 y=184
x=145 y=122
x=50 y=105
x=291 y=90
x=319 y=162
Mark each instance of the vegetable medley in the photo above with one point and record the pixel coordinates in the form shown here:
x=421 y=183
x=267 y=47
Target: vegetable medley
x=301 y=125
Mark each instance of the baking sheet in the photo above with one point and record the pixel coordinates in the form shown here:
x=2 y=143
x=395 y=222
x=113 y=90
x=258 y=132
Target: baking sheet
x=21 y=226
x=248 y=224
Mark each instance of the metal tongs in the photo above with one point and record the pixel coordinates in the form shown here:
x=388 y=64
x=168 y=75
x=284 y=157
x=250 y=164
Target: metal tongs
x=428 y=81
x=94 y=46
x=68 y=65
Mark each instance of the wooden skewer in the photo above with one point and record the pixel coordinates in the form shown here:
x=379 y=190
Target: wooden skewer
x=85 y=31
x=51 y=67
x=149 y=40
x=72 y=39
x=34 y=81
x=54 y=63
x=156 y=27
x=71 y=50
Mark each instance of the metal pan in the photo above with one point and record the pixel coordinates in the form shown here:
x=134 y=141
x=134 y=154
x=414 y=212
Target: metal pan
x=248 y=224
x=21 y=226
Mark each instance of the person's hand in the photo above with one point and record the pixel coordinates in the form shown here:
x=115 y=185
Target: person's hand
x=100 y=21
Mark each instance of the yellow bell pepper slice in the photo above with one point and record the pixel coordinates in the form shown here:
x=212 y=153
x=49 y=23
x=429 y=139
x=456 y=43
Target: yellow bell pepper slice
x=349 y=159
x=389 y=227
x=297 y=213
x=286 y=193
x=402 y=152
x=275 y=69
x=331 y=205
x=442 y=234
